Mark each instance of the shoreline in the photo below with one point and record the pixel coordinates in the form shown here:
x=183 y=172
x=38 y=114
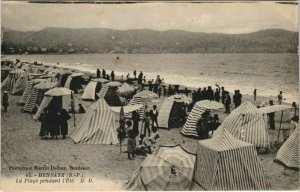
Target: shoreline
x=89 y=73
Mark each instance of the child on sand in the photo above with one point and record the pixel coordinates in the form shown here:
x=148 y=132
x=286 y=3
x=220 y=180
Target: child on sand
x=131 y=140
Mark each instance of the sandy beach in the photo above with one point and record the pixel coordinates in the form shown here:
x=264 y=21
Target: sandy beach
x=108 y=168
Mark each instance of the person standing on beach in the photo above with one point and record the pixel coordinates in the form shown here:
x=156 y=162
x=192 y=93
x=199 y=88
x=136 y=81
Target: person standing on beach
x=280 y=98
x=63 y=121
x=98 y=73
x=103 y=73
x=210 y=93
x=131 y=143
x=239 y=98
x=159 y=92
x=135 y=119
x=54 y=124
x=146 y=122
x=134 y=73
x=44 y=131
x=186 y=92
x=170 y=90
x=140 y=78
x=271 y=117
x=154 y=115
x=164 y=91
x=5 y=101
x=235 y=98
x=227 y=102
x=217 y=95
x=223 y=95
x=150 y=85
x=112 y=75
x=254 y=94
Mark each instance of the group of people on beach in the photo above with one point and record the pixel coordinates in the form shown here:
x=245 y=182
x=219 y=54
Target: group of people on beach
x=207 y=124
x=54 y=122
x=130 y=128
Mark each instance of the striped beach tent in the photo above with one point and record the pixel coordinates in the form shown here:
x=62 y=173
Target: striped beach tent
x=171 y=109
x=98 y=126
x=171 y=168
x=28 y=88
x=143 y=98
x=20 y=84
x=189 y=129
x=126 y=90
x=226 y=163
x=36 y=96
x=11 y=79
x=100 y=123
x=288 y=154
x=248 y=124
x=4 y=72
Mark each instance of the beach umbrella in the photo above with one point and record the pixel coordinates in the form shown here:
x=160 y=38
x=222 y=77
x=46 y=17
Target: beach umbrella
x=126 y=90
x=207 y=104
x=113 y=84
x=58 y=91
x=100 y=80
x=170 y=168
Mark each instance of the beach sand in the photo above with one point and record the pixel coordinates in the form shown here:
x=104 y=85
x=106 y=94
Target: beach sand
x=109 y=169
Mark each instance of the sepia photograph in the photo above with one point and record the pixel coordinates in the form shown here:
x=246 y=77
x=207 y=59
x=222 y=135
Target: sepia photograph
x=149 y=95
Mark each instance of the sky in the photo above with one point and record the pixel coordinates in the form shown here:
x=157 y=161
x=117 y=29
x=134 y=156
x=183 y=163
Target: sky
x=232 y=18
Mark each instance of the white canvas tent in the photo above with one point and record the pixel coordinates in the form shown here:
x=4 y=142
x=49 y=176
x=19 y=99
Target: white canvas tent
x=248 y=124
x=90 y=91
x=226 y=163
x=99 y=125
x=288 y=154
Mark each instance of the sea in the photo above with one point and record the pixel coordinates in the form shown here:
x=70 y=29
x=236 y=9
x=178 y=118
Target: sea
x=269 y=73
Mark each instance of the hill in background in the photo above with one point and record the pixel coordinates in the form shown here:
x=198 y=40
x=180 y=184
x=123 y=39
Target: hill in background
x=65 y=40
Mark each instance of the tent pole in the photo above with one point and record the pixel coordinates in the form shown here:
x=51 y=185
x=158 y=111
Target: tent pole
x=280 y=126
